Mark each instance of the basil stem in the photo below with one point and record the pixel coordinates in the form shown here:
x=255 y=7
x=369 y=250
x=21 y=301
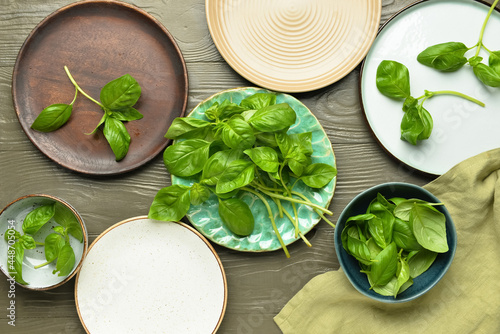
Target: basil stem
x=430 y=94
x=480 y=42
x=79 y=89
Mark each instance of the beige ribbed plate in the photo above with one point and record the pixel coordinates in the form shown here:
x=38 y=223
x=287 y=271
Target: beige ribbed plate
x=293 y=45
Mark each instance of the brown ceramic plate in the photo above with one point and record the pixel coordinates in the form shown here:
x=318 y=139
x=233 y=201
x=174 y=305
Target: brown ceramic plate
x=99 y=41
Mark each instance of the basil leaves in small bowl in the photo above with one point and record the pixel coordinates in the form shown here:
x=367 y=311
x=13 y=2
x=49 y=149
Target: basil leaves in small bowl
x=395 y=241
x=43 y=241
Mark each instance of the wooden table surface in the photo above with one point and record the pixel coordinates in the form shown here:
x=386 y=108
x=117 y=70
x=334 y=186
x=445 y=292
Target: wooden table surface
x=259 y=285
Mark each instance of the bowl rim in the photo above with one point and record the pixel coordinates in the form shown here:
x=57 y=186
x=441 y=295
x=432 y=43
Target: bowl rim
x=85 y=240
x=450 y=230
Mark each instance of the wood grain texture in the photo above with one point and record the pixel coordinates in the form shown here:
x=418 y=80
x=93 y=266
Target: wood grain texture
x=259 y=284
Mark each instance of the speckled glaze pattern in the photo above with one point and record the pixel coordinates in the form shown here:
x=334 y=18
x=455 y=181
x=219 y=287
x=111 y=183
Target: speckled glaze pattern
x=205 y=217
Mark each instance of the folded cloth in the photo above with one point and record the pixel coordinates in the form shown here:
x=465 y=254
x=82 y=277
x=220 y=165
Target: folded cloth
x=466 y=300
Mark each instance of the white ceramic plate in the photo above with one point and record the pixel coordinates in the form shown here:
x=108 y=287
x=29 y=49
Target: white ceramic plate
x=293 y=45
x=461 y=128
x=145 y=276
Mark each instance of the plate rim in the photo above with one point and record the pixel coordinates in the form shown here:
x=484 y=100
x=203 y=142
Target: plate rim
x=189 y=228
x=281 y=87
x=334 y=186
x=121 y=5
x=360 y=90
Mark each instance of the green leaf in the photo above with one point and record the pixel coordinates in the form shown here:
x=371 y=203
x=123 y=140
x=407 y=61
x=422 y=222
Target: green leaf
x=273 y=118
x=238 y=174
x=411 y=126
x=27 y=242
x=65 y=261
x=358 y=249
x=427 y=122
x=228 y=109
x=236 y=215
x=429 y=227
x=15 y=257
x=198 y=194
x=446 y=57
x=258 y=101
x=362 y=217
x=37 y=218
x=318 y=175
x=393 y=79
x=52 y=117
x=117 y=136
x=402 y=210
x=217 y=163
x=473 y=61
x=384 y=266
x=53 y=244
x=487 y=75
x=212 y=113
x=126 y=115
x=182 y=127
x=376 y=229
x=420 y=262
x=410 y=102
x=373 y=247
x=266 y=139
x=264 y=157
x=402 y=275
x=186 y=158
x=236 y=133
x=65 y=217
x=170 y=203
x=11 y=234
x=403 y=236
x=494 y=61
x=120 y=93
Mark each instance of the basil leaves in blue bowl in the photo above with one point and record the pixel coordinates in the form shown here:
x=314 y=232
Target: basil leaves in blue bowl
x=395 y=241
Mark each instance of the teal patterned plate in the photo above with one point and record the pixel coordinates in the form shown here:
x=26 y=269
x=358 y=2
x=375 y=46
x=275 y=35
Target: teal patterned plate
x=205 y=217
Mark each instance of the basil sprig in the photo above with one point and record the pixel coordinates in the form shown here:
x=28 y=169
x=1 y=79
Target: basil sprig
x=450 y=56
x=393 y=80
x=241 y=148
x=395 y=241
x=117 y=100
x=56 y=246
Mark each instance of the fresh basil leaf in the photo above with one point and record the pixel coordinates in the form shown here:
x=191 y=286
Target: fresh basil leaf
x=37 y=218
x=384 y=290
x=402 y=275
x=318 y=175
x=198 y=194
x=403 y=236
x=429 y=227
x=186 y=158
x=117 y=136
x=236 y=133
x=473 y=61
x=120 y=93
x=359 y=250
x=238 y=174
x=427 y=123
x=15 y=262
x=273 y=118
x=302 y=142
x=65 y=261
x=384 y=266
x=266 y=139
x=228 y=109
x=410 y=102
x=487 y=75
x=11 y=234
x=170 y=203
x=258 y=101
x=376 y=229
x=373 y=247
x=53 y=244
x=381 y=204
x=297 y=162
x=393 y=79
x=126 y=115
x=402 y=210
x=247 y=114
x=411 y=126
x=217 y=163
x=52 y=117
x=420 y=262
x=236 y=215
x=65 y=217
x=27 y=242
x=182 y=126
x=264 y=157
x=212 y=113
x=446 y=57
x=494 y=61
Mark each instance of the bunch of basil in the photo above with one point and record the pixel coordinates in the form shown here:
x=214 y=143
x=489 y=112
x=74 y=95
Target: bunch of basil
x=240 y=148
x=395 y=241
x=56 y=246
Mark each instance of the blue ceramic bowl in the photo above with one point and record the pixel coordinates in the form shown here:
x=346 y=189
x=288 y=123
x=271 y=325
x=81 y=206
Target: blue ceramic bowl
x=422 y=283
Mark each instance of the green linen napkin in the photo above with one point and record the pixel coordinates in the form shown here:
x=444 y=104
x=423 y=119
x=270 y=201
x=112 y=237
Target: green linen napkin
x=466 y=300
